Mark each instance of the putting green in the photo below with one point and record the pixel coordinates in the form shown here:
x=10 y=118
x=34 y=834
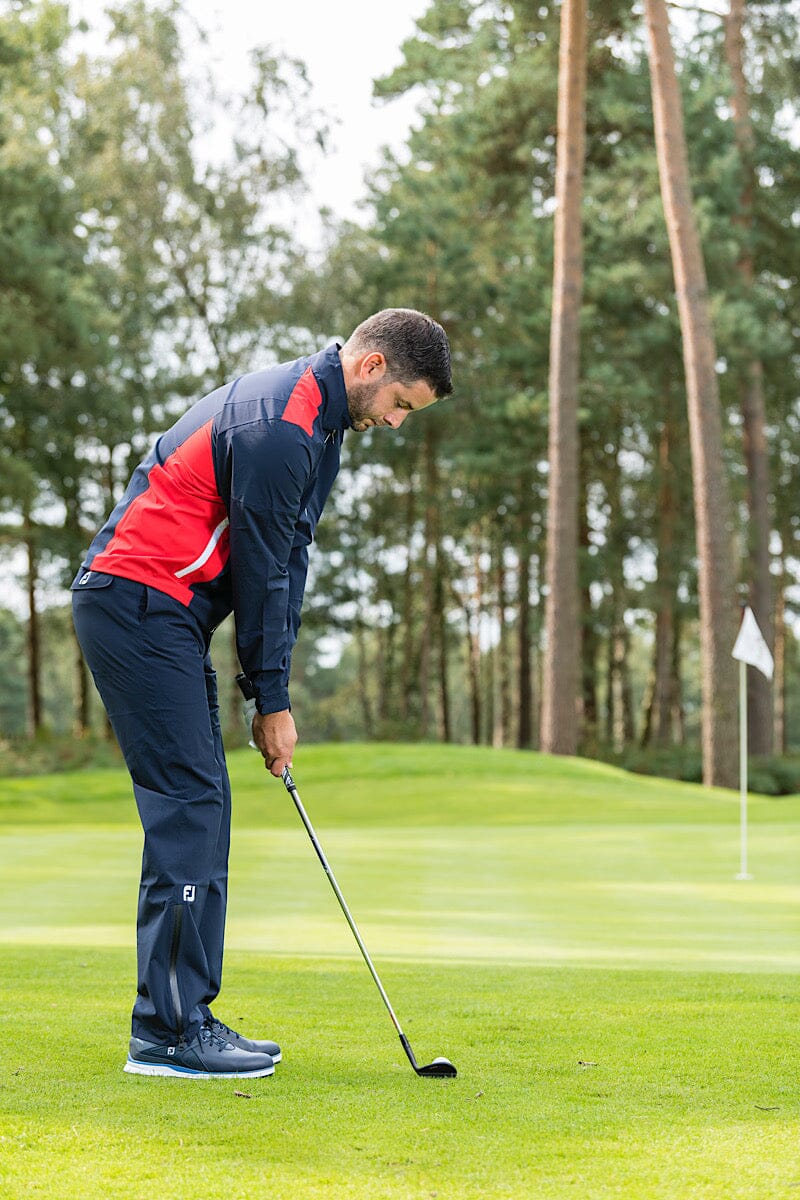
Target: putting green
x=648 y=896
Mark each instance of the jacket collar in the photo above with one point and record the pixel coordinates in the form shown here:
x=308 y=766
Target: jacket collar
x=327 y=368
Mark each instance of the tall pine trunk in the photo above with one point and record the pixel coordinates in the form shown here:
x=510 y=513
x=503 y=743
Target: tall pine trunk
x=501 y=730
x=780 y=740
x=620 y=727
x=445 y=722
x=473 y=657
x=716 y=579
x=662 y=701
x=364 y=675
x=35 y=714
x=589 y=639
x=559 y=719
x=407 y=672
x=753 y=403
x=386 y=674
x=82 y=707
x=433 y=651
x=524 y=683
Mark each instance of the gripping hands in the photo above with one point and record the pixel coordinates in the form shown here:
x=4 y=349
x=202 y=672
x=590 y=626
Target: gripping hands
x=273 y=734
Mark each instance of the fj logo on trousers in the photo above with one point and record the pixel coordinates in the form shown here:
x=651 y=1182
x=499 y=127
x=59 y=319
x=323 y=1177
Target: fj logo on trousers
x=188 y=893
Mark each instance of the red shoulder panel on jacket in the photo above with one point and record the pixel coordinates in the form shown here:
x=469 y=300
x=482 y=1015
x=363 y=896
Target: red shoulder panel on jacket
x=304 y=402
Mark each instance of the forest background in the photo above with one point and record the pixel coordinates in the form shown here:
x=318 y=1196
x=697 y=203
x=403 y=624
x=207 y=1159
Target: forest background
x=138 y=273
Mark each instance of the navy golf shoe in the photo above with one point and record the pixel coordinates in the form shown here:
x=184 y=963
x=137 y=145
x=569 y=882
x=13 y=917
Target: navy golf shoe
x=253 y=1045
x=206 y=1056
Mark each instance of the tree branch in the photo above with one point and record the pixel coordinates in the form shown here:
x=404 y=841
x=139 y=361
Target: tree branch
x=709 y=12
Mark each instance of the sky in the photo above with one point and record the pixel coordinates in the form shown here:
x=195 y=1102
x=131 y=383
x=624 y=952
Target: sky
x=344 y=45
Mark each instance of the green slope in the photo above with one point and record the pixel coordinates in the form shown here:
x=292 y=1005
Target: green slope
x=622 y=1011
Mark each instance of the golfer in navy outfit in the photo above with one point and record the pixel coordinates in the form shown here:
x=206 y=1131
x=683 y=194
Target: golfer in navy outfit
x=219 y=518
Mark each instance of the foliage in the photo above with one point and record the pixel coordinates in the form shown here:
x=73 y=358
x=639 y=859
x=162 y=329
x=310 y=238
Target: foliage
x=767 y=775
x=138 y=271
x=463 y=228
x=47 y=751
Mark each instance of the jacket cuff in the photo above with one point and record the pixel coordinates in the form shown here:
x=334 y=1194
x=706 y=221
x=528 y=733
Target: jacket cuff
x=272 y=694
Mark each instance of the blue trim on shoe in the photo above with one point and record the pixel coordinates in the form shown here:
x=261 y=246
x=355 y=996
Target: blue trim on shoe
x=162 y=1070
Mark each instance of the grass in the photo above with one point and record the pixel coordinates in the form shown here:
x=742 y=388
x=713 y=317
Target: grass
x=622 y=1011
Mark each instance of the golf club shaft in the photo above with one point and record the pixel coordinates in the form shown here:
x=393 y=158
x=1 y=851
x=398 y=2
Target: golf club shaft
x=292 y=790
x=248 y=692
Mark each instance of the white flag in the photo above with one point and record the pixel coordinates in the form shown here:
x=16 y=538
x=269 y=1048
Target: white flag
x=750 y=646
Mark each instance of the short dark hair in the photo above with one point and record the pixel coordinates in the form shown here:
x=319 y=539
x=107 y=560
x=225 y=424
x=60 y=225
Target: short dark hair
x=414 y=345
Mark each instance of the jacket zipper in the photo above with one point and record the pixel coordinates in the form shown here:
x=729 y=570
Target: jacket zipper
x=177 y=925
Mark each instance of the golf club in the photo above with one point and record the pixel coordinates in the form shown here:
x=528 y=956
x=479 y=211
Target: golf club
x=440 y=1068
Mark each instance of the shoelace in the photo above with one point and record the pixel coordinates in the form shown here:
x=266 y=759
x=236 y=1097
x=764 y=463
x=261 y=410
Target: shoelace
x=222 y=1031
x=206 y=1033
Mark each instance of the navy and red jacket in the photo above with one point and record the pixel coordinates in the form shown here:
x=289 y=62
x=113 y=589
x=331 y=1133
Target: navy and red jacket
x=222 y=511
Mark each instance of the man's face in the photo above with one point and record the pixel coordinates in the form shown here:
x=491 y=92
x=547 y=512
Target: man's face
x=382 y=403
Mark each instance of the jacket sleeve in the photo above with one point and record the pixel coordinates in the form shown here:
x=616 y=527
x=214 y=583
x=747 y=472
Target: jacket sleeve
x=304 y=535
x=268 y=468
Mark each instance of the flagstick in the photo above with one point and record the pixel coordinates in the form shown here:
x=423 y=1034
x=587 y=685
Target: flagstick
x=743 y=772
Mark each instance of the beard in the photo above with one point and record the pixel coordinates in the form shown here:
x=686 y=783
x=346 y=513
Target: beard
x=359 y=403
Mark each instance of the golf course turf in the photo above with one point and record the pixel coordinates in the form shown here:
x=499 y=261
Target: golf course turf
x=622 y=1011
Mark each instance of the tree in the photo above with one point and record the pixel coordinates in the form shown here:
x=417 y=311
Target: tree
x=49 y=308
x=559 y=724
x=753 y=402
x=197 y=262
x=711 y=499
x=472 y=209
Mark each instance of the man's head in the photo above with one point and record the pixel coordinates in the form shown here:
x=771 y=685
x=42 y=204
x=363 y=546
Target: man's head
x=395 y=362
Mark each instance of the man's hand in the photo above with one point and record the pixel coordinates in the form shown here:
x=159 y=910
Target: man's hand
x=276 y=737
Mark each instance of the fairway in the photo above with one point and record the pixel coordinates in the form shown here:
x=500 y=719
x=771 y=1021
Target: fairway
x=622 y=1011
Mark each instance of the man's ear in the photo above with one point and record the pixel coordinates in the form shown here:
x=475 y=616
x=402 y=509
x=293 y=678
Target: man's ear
x=373 y=366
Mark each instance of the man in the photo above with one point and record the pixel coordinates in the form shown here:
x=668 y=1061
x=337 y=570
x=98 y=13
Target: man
x=218 y=518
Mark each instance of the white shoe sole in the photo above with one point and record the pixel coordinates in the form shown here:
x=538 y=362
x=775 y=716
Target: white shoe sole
x=140 y=1068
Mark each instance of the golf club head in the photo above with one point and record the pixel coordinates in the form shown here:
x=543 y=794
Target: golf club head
x=440 y=1068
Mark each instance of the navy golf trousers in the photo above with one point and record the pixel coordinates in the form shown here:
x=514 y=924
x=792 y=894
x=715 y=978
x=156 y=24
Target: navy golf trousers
x=149 y=658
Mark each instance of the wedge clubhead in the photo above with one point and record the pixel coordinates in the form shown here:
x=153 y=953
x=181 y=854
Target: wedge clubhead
x=440 y=1068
